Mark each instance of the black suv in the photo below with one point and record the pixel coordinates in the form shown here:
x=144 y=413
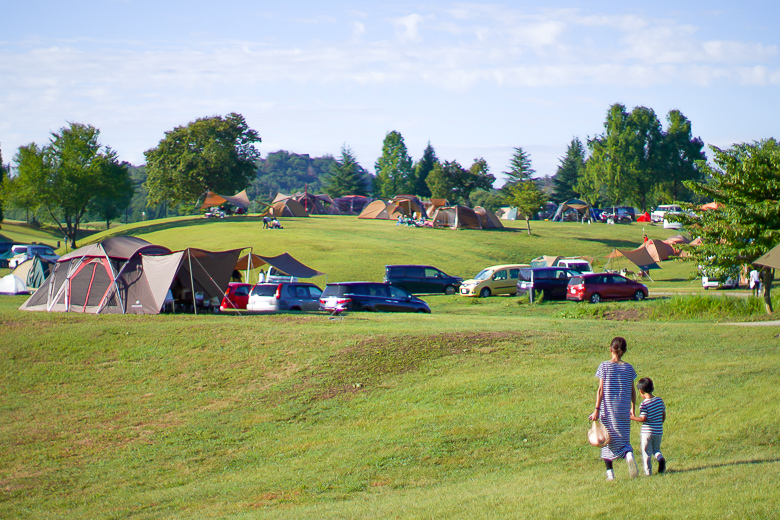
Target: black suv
x=552 y=282
x=369 y=296
x=419 y=279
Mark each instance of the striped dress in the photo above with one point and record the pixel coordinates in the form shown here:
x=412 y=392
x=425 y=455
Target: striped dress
x=615 y=408
x=653 y=409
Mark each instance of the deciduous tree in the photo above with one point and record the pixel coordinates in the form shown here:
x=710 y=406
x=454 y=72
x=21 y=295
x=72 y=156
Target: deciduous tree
x=66 y=176
x=213 y=153
x=746 y=186
x=528 y=199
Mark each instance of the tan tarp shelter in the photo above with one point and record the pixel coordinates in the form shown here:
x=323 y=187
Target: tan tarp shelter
x=284 y=263
x=676 y=239
x=128 y=275
x=287 y=208
x=771 y=258
x=488 y=218
x=432 y=205
x=639 y=257
x=239 y=200
x=456 y=217
x=545 y=261
x=382 y=210
x=659 y=250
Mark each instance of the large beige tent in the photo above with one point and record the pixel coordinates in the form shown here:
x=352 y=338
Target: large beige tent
x=488 y=218
x=128 y=275
x=410 y=205
x=658 y=250
x=382 y=210
x=456 y=217
x=351 y=204
x=287 y=208
x=771 y=258
x=639 y=257
x=239 y=200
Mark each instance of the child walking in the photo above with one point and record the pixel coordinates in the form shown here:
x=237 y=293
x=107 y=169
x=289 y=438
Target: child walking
x=652 y=414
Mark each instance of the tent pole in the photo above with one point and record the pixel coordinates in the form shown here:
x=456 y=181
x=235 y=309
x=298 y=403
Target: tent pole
x=212 y=281
x=192 y=283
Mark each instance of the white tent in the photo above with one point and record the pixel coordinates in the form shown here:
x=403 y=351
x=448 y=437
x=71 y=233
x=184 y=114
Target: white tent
x=12 y=284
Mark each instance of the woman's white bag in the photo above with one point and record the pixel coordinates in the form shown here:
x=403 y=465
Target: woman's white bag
x=598 y=434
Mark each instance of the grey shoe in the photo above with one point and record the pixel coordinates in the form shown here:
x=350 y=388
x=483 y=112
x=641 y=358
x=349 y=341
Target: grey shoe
x=632 y=469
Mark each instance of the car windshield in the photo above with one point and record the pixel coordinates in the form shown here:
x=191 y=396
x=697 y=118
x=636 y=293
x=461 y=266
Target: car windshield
x=484 y=274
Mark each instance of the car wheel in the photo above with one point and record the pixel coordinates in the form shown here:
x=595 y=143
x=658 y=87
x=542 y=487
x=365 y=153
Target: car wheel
x=639 y=296
x=418 y=311
x=595 y=298
x=484 y=293
x=449 y=290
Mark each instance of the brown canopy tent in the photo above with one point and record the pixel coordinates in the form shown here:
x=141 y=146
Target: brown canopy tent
x=488 y=218
x=410 y=204
x=770 y=259
x=351 y=204
x=639 y=257
x=239 y=200
x=659 y=250
x=287 y=208
x=456 y=217
x=382 y=210
x=128 y=275
x=284 y=263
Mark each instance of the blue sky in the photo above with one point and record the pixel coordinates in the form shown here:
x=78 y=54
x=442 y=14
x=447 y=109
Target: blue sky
x=475 y=79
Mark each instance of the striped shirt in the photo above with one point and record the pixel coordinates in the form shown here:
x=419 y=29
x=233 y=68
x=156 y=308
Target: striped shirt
x=616 y=406
x=653 y=409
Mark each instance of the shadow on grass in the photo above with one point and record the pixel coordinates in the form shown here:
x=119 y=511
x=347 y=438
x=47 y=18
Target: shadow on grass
x=614 y=244
x=725 y=465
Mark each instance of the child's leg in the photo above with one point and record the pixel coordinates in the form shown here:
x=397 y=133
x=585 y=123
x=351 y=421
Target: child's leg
x=656 y=445
x=610 y=471
x=647 y=452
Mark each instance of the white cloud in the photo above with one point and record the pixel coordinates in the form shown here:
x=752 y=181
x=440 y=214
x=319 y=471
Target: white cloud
x=408 y=27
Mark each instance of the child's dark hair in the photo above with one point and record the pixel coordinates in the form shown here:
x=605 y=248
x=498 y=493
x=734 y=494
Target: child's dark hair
x=645 y=385
x=618 y=346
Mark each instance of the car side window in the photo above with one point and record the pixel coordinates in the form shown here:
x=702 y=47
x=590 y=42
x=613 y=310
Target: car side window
x=542 y=275
x=301 y=291
x=397 y=292
x=432 y=273
x=395 y=272
x=379 y=291
x=361 y=290
x=242 y=290
x=314 y=291
x=617 y=279
x=514 y=273
x=414 y=272
x=500 y=275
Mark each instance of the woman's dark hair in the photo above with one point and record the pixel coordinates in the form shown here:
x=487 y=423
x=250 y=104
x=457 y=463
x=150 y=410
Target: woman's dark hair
x=645 y=385
x=618 y=346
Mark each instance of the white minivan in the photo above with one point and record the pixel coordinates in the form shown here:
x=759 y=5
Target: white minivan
x=661 y=211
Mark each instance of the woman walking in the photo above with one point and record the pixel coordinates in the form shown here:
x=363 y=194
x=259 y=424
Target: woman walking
x=615 y=402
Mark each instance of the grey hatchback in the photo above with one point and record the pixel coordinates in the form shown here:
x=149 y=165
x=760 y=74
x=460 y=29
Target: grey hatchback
x=551 y=282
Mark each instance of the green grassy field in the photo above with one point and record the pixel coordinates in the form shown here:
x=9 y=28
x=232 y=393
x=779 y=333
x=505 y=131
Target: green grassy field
x=478 y=410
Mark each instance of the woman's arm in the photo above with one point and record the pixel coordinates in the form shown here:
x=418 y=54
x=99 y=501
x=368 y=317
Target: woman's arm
x=633 y=399
x=599 y=396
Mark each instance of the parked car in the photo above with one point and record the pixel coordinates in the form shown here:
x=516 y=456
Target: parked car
x=5 y=248
x=575 y=264
x=596 y=287
x=370 y=296
x=493 y=280
x=23 y=252
x=719 y=278
x=551 y=282
x=618 y=214
x=284 y=296
x=236 y=296
x=419 y=279
x=275 y=275
x=661 y=211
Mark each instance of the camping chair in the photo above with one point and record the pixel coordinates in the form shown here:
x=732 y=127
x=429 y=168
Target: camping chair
x=169 y=302
x=338 y=313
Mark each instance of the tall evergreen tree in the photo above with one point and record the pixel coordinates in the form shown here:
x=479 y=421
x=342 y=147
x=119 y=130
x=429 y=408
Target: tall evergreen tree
x=346 y=177
x=519 y=168
x=421 y=170
x=682 y=155
x=571 y=166
x=394 y=167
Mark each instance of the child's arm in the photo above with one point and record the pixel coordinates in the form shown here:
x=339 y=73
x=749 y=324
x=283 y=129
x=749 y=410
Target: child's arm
x=638 y=418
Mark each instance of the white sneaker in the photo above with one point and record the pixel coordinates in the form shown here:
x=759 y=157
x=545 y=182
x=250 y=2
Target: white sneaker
x=610 y=475
x=632 y=469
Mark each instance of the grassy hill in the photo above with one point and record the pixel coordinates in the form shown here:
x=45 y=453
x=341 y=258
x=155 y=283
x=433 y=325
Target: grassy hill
x=478 y=410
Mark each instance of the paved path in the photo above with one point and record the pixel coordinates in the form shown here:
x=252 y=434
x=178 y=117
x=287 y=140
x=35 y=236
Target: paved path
x=756 y=323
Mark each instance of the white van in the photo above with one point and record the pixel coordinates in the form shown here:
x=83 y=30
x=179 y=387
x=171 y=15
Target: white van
x=575 y=264
x=661 y=211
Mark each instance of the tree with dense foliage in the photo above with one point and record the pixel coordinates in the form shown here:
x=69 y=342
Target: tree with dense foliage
x=528 y=199
x=65 y=177
x=346 y=177
x=422 y=168
x=287 y=172
x=520 y=169
x=113 y=196
x=489 y=199
x=746 y=224
x=635 y=162
x=213 y=153
x=571 y=167
x=394 y=168
x=453 y=182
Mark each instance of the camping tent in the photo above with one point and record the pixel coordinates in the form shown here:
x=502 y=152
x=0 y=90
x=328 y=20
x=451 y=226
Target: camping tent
x=488 y=218
x=507 y=213
x=34 y=271
x=128 y=275
x=581 y=207
x=311 y=204
x=287 y=208
x=410 y=205
x=239 y=200
x=432 y=205
x=380 y=209
x=545 y=261
x=659 y=250
x=455 y=217
x=11 y=284
x=771 y=258
x=351 y=204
